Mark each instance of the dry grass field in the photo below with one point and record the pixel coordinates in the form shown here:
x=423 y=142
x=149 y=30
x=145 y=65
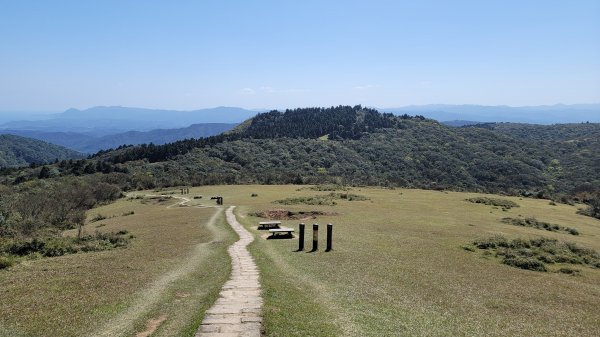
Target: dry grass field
x=399 y=268
x=171 y=272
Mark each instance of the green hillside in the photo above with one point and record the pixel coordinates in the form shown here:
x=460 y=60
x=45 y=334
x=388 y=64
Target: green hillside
x=364 y=147
x=360 y=146
x=20 y=151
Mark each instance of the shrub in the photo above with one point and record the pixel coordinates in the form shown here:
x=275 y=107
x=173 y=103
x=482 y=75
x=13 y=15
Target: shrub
x=327 y=199
x=525 y=263
x=6 y=262
x=533 y=254
x=505 y=204
x=98 y=217
x=58 y=246
x=128 y=213
x=534 y=223
x=569 y=271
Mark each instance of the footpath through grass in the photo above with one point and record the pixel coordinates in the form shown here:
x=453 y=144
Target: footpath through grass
x=163 y=282
x=399 y=268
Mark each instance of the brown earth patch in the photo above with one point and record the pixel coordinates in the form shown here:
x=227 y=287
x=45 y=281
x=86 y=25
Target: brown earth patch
x=283 y=214
x=151 y=326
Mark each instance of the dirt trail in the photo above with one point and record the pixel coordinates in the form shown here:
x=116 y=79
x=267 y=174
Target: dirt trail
x=237 y=312
x=147 y=298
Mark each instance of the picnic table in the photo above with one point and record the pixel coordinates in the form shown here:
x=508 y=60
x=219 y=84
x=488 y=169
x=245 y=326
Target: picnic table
x=269 y=224
x=281 y=231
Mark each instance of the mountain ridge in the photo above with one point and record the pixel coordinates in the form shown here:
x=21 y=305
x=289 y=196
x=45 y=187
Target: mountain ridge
x=87 y=143
x=18 y=151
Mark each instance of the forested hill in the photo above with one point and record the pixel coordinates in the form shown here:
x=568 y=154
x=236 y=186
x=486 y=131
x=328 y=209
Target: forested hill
x=342 y=122
x=360 y=146
x=20 y=151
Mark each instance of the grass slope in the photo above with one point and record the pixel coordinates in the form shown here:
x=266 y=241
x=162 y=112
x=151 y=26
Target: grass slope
x=398 y=268
x=174 y=269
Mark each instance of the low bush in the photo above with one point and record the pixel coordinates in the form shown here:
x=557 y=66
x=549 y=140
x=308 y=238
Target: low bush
x=534 y=223
x=327 y=199
x=524 y=263
x=6 y=261
x=569 y=271
x=505 y=204
x=58 y=246
x=329 y=188
x=98 y=217
x=534 y=254
x=128 y=213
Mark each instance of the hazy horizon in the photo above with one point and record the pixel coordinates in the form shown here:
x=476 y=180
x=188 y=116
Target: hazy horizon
x=49 y=112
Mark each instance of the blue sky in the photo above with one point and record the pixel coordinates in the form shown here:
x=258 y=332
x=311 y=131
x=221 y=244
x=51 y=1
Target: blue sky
x=276 y=54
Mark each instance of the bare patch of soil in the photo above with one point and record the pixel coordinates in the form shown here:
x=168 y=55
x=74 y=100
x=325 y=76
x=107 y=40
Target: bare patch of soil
x=151 y=326
x=283 y=214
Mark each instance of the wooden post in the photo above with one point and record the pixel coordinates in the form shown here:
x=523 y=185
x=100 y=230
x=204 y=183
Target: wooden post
x=301 y=238
x=315 y=237
x=329 y=237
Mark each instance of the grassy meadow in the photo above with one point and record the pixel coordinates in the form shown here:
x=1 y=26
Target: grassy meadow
x=163 y=281
x=399 y=267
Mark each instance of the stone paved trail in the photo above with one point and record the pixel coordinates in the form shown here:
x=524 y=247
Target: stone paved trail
x=237 y=312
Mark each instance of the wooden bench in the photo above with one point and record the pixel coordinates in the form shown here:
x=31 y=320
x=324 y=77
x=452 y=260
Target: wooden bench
x=269 y=224
x=281 y=231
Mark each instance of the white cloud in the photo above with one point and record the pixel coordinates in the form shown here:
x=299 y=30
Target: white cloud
x=267 y=89
x=247 y=91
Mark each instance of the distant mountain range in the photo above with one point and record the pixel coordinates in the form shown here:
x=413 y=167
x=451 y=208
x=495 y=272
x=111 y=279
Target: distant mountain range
x=20 y=151
x=100 y=128
x=102 y=121
x=88 y=143
x=543 y=114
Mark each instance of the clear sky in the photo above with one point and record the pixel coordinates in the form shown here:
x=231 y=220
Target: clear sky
x=276 y=54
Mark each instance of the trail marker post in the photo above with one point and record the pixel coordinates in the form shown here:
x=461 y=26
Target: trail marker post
x=315 y=237
x=329 y=237
x=301 y=238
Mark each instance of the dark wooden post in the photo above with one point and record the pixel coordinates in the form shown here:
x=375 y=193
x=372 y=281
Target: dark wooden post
x=329 y=237
x=301 y=238
x=315 y=237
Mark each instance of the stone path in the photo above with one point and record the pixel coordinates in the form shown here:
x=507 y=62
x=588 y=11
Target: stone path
x=237 y=312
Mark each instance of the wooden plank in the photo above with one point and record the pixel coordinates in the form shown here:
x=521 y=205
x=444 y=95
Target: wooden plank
x=281 y=230
x=270 y=223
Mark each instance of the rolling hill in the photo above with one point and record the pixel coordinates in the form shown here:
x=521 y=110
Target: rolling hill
x=360 y=146
x=90 y=144
x=20 y=151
